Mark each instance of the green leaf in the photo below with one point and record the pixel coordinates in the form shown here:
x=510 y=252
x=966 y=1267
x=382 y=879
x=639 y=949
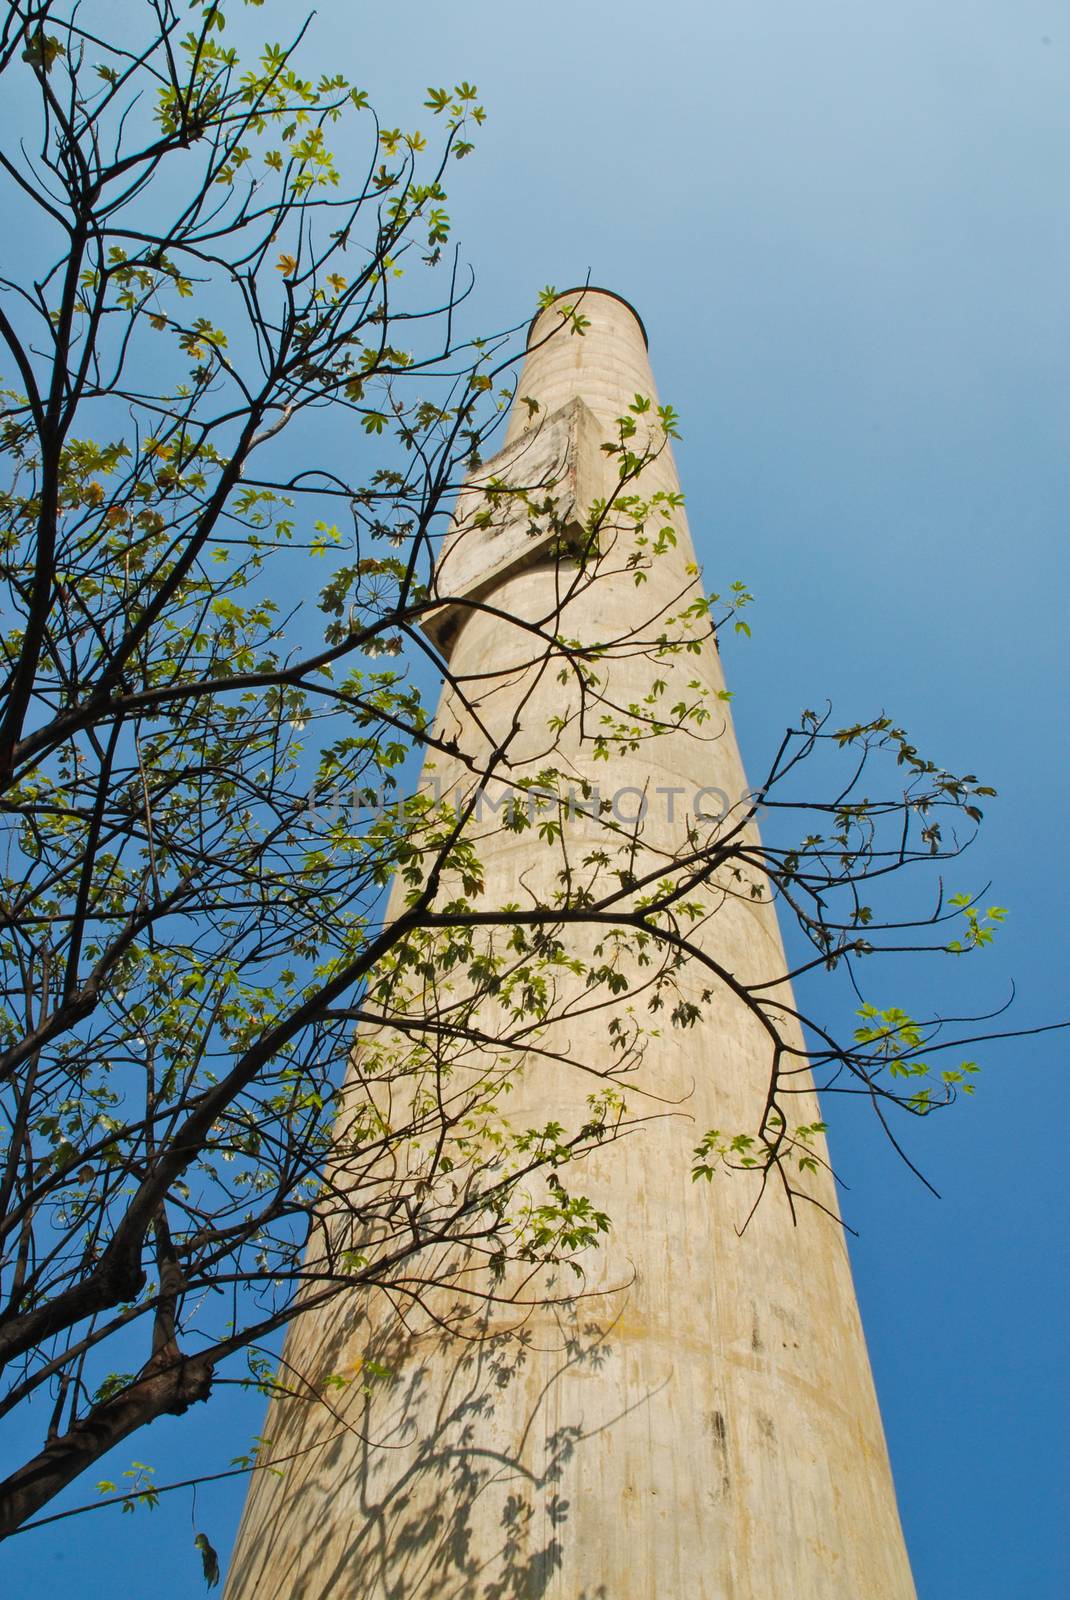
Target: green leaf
x=209 y=1560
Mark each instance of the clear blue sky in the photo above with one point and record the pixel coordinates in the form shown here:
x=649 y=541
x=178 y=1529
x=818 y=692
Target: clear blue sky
x=846 y=227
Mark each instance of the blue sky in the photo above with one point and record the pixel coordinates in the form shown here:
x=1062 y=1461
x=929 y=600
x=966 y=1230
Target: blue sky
x=846 y=228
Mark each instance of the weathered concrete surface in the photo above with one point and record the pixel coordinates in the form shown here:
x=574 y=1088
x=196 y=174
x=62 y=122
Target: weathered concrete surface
x=701 y=1424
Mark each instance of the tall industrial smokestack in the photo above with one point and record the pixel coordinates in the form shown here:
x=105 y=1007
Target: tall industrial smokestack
x=699 y=1422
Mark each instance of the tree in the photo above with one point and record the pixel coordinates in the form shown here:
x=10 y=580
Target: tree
x=196 y=772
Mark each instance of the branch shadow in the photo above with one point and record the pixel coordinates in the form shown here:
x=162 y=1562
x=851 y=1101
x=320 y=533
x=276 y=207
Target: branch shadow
x=442 y=1474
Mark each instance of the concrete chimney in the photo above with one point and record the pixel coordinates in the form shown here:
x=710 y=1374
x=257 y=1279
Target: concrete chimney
x=696 y=1419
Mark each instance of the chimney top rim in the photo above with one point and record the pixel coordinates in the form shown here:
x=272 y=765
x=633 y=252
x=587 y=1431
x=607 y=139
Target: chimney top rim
x=584 y=289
